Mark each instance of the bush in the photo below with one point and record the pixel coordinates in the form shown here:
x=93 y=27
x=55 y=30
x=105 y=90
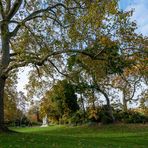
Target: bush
x=105 y=115
x=130 y=117
x=77 y=118
x=100 y=114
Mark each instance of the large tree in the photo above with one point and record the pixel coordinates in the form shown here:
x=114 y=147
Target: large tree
x=36 y=33
x=33 y=31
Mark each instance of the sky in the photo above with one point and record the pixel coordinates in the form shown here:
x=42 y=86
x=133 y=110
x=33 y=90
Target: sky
x=140 y=15
x=23 y=79
x=125 y=3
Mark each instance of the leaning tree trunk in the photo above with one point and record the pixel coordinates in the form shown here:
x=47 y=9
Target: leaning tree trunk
x=108 y=103
x=4 y=63
x=109 y=106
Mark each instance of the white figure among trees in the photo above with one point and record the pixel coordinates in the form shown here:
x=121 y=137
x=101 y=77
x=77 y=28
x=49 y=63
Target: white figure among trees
x=45 y=121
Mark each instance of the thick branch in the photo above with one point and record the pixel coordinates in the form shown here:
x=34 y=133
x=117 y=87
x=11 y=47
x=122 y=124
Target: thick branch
x=38 y=14
x=35 y=13
x=42 y=60
x=2 y=9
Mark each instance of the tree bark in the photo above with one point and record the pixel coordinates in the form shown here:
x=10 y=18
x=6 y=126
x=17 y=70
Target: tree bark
x=124 y=104
x=109 y=106
x=83 y=107
x=2 y=84
x=4 y=63
x=107 y=103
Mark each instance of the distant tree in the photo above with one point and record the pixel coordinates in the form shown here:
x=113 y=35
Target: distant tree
x=11 y=97
x=144 y=102
x=128 y=83
x=61 y=101
x=33 y=113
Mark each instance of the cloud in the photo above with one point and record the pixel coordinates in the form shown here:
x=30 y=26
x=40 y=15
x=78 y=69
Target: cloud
x=140 y=15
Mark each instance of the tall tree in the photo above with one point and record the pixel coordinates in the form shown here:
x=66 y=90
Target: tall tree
x=118 y=48
x=30 y=33
x=36 y=33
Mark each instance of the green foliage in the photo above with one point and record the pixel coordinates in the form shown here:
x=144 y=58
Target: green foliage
x=77 y=118
x=11 y=98
x=105 y=115
x=99 y=114
x=130 y=116
x=60 y=103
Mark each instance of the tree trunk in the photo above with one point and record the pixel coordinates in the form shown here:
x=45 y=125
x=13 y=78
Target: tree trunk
x=38 y=116
x=2 y=85
x=93 y=100
x=108 y=103
x=4 y=63
x=83 y=107
x=125 y=105
x=124 y=102
x=109 y=106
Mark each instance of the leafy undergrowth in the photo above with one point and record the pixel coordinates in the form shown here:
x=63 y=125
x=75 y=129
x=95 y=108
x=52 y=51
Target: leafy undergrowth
x=108 y=136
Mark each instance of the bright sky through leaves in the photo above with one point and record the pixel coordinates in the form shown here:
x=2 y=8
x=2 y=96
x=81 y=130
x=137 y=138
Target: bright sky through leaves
x=140 y=15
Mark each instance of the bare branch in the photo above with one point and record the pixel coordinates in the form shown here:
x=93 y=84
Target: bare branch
x=57 y=69
x=40 y=61
x=14 y=9
x=35 y=13
x=98 y=53
x=134 y=89
x=15 y=31
x=38 y=70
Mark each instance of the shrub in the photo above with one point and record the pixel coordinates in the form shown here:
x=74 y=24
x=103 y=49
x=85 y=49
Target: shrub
x=105 y=115
x=100 y=114
x=130 y=116
x=77 y=118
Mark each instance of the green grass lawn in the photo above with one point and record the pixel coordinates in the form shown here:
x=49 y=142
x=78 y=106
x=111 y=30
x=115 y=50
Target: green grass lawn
x=107 y=136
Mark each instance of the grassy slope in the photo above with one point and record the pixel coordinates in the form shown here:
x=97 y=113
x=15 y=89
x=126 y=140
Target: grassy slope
x=111 y=136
